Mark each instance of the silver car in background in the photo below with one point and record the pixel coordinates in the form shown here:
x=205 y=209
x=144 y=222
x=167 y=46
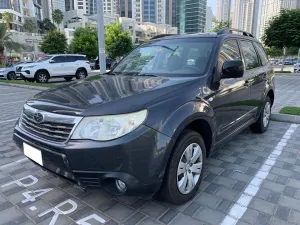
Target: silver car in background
x=9 y=73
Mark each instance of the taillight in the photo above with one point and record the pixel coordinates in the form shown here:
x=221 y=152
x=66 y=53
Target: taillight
x=88 y=62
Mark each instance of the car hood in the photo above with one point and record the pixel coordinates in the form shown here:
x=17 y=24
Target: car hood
x=107 y=94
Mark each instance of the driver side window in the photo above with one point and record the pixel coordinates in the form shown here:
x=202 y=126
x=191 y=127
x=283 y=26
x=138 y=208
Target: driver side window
x=229 y=51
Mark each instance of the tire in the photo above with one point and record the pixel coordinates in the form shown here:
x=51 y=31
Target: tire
x=175 y=188
x=68 y=78
x=263 y=121
x=11 y=76
x=80 y=74
x=42 y=77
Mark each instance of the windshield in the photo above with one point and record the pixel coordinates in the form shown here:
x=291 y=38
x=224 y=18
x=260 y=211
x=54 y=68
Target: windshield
x=44 y=59
x=176 y=57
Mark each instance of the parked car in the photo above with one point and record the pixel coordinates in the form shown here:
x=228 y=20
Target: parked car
x=109 y=63
x=64 y=65
x=9 y=73
x=149 y=125
x=288 y=62
x=297 y=67
x=274 y=61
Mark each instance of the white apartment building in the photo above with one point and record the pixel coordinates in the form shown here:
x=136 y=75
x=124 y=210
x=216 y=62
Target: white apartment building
x=209 y=19
x=109 y=6
x=161 y=12
x=223 y=10
x=271 y=8
x=245 y=15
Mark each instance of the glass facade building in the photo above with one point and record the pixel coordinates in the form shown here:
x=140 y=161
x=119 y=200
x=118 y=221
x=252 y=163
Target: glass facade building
x=190 y=16
x=149 y=11
x=10 y=4
x=125 y=8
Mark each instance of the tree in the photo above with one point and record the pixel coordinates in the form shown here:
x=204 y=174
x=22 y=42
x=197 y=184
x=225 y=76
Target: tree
x=274 y=52
x=54 y=42
x=7 y=18
x=283 y=31
x=85 y=42
x=7 y=43
x=48 y=25
x=29 y=25
x=220 y=25
x=117 y=42
x=57 y=16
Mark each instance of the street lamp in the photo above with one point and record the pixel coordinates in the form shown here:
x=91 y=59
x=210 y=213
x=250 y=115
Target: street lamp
x=102 y=57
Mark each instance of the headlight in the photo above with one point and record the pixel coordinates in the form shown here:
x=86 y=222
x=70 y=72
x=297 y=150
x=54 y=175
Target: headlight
x=27 y=67
x=105 y=128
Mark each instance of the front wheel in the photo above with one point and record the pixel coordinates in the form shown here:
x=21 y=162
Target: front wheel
x=263 y=121
x=184 y=172
x=42 y=77
x=11 y=76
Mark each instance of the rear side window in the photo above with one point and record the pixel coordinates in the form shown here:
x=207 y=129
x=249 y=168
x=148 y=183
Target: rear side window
x=74 y=58
x=262 y=53
x=251 y=58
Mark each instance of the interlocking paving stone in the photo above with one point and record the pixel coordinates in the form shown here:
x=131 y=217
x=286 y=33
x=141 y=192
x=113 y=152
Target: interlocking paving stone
x=282 y=213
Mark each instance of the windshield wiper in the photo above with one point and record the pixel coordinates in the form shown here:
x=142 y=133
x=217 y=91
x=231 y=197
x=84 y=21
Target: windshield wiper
x=146 y=74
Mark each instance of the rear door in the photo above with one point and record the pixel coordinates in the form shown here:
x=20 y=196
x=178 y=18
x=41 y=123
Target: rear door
x=57 y=67
x=229 y=102
x=256 y=73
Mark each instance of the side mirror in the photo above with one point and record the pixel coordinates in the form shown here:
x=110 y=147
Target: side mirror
x=232 y=69
x=51 y=61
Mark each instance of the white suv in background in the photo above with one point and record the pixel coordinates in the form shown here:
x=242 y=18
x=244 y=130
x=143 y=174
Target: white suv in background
x=65 y=65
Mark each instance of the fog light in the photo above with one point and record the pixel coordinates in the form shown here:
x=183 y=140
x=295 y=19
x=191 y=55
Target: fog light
x=121 y=185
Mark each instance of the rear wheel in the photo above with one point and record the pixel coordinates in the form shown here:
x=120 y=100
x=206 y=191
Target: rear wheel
x=11 y=76
x=184 y=172
x=68 y=78
x=262 y=122
x=42 y=77
x=81 y=74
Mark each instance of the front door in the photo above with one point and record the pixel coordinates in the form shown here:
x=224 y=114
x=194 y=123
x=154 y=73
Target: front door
x=57 y=67
x=230 y=99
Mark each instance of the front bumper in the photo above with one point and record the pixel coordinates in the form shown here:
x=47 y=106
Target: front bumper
x=137 y=159
x=25 y=74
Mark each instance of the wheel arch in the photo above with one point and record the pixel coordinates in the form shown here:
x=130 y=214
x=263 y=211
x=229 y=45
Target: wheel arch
x=41 y=70
x=271 y=95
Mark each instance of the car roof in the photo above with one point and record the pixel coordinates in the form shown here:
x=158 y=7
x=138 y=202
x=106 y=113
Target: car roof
x=66 y=55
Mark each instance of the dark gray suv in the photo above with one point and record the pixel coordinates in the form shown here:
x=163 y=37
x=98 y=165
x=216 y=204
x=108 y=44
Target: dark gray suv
x=150 y=123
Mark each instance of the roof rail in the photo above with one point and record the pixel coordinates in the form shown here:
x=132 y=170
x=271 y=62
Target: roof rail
x=227 y=30
x=161 y=35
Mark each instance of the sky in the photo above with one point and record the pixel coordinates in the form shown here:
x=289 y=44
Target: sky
x=213 y=5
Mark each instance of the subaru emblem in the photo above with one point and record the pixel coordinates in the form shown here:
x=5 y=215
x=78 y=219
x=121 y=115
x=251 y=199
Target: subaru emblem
x=38 y=117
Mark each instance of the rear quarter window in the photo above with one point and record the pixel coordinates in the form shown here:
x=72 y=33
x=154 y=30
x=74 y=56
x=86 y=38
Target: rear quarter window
x=262 y=54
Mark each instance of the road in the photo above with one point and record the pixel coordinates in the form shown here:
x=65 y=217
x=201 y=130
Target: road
x=254 y=179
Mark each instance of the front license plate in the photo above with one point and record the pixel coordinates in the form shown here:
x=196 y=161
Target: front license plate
x=33 y=153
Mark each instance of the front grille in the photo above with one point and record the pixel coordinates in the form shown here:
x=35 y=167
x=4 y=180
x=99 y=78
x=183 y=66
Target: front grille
x=53 y=127
x=19 y=68
x=58 y=132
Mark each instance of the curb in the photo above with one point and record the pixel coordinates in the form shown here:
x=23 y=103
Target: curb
x=285 y=118
x=24 y=86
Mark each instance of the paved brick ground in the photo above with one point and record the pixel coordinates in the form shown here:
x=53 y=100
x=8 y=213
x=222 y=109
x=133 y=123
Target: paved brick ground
x=287 y=91
x=227 y=173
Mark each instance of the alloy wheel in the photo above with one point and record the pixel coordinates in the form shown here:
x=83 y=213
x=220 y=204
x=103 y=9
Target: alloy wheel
x=267 y=113
x=81 y=74
x=43 y=78
x=189 y=168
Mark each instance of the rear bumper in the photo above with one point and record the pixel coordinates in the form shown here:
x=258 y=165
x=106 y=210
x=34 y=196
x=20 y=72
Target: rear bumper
x=140 y=176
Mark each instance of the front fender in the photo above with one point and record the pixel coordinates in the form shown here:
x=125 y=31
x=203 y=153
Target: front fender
x=179 y=120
